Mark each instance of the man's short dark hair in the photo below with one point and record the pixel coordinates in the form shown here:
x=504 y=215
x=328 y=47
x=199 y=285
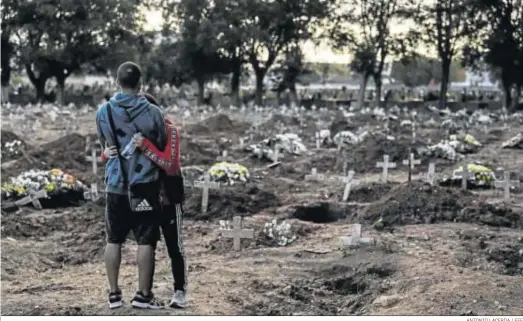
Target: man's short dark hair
x=129 y=75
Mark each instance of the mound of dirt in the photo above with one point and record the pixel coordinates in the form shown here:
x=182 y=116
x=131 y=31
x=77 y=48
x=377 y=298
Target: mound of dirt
x=418 y=203
x=320 y=212
x=227 y=202
x=364 y=157
x=194 y=153
x=278 y=120
x=339 y=289
x=80 y=230
x=496 y=251
x=67 y=153
x=218 y=123
x=369 y=193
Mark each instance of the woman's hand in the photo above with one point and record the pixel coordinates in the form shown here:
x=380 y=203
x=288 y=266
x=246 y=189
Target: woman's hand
x=110 y=151
x=138 y=140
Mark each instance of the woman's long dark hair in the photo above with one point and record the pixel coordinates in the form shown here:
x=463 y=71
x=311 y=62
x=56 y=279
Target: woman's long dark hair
x=150 y=98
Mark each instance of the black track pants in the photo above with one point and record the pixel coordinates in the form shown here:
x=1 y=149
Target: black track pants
x=171 y=226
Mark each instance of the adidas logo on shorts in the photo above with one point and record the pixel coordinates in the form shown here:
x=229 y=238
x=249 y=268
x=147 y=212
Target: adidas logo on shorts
x=143 y=206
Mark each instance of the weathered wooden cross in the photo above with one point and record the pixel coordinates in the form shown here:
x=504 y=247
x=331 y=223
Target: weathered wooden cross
x=385 y=165
x=34 y=198
x=237 y=233
x=411 y=162
x=355 y=239
x=205 y=186
x=94 y=159
x=506 y=183
x=465 y=175
x=317 y=140
x=315 y=176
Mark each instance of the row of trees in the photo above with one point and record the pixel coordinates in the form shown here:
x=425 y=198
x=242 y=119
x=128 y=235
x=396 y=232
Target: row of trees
x=204 y=39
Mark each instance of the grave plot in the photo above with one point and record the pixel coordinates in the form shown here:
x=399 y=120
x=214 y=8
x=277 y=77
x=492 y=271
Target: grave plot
x=309 y=269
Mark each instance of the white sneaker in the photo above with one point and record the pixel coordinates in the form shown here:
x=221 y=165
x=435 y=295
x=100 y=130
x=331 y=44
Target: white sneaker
x=178 y=300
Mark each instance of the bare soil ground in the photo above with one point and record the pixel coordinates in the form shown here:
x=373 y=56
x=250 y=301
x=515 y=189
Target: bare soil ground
x=439 y=250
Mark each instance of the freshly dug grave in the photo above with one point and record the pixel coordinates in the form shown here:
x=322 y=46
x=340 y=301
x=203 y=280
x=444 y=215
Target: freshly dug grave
x=229 y=201
x=217 y=123
x=418 y=203
x=338 y=286
x=80 y=230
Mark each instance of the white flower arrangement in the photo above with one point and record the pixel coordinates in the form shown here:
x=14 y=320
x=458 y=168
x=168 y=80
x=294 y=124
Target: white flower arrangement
x=54 y=182
x=282 y=233
x=12 y=148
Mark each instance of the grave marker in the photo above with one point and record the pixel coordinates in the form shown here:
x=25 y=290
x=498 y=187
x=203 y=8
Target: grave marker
x=411 y=162
x=317 y=140
x=34 y=198
x=224 y=157
x=413 y=131
x=92 y=194
x=465 y=175
x=355 y=240
x=431 y=175
x=348 y=185
x=206 y=185
x=505 y=184
x=315 y=176
x=385 y=165
x=237 y=233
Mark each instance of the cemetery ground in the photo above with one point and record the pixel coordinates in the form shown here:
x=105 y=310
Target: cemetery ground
x=434 y=250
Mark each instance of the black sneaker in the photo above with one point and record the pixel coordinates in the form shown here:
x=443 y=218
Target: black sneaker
x=115 y=299
x=141 y=301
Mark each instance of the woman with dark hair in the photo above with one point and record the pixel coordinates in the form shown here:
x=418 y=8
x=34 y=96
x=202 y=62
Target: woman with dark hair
x=172 y=197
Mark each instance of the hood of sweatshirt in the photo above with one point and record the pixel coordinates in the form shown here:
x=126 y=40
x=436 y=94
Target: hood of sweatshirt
x=128 y=106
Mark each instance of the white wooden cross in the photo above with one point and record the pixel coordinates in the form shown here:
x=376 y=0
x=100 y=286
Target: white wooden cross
x=385 y=165
x=506 y=183
x=315 y=176
x=413 y=131
x=355 y=239
x=431 y=175
x=348 y=184
x=317 y=140
x=237 y=233
x=241 y=143
x=92 y=194
x=33 y=197
x=94 y=159
x=206 y=185
x=465 y=175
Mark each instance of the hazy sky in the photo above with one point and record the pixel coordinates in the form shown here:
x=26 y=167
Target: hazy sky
x=322 y=53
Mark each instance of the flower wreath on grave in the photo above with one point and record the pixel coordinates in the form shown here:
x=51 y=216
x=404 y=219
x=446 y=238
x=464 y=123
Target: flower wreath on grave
x=467 y=145
x=229 y=173
x=62 y=189
x=481 y=176
x=290 y=143
x=346 y=138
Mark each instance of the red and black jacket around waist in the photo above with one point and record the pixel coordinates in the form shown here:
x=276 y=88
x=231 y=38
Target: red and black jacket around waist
x=169 y=161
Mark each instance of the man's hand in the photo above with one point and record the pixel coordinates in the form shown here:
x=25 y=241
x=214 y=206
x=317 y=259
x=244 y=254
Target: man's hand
x=110 y=151
x=138 y=140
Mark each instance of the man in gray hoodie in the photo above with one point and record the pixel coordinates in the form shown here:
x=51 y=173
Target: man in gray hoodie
x=132 y=183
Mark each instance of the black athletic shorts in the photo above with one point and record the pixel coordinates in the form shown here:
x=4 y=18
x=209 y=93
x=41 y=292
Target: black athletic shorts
x=120 y=219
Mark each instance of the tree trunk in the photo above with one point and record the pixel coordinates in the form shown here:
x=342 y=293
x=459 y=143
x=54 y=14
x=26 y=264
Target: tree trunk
x=38 y=82
x=61 y=91
x=517 y=95
x=260 y=75
x=293 y=96
x=445 y=75
x=363 y=85
x=378 y=85
x=507 y=90
x=201 y=91
x=5 y=94
x=235 y=84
